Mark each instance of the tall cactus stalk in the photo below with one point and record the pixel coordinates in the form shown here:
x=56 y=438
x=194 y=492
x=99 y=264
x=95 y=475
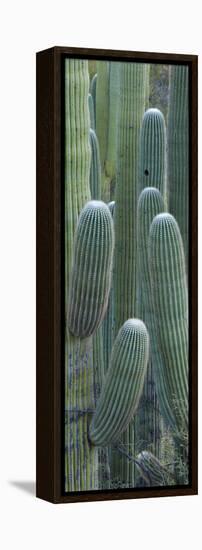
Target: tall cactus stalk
x=91 y=111
x=148 y=418
x=133 y=83
x=102 y=120
x=81 y=461
x=170 y=306
x=123 y=384
x=178 y=149
x=114 y=108
x=153 y=152
x=93 y=85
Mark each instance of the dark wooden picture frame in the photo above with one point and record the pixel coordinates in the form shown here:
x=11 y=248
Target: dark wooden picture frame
x=50 y=316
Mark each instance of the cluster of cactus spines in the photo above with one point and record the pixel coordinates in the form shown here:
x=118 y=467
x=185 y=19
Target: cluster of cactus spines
x=93 y=85
x=123 y=384
x=151 y=469
x=102 y=117
x=178 y=149
x=91 y=111
x=170 y=306
x=92 y=269
x=133 y=77
x=108 y=322
x=81 y=461
x=153 y=152
x=114 y=105
x=95 y=168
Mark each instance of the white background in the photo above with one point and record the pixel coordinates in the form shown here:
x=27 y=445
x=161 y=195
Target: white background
x=27 y=26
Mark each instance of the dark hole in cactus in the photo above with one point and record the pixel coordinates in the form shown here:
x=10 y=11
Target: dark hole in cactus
x=146 y=172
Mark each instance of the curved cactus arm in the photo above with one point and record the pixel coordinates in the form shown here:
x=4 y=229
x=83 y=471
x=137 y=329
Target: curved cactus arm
x=178 y=149
x=95 y=168
x=92 y=269
x=153 y=152
x=123 y=384
x=170 y=306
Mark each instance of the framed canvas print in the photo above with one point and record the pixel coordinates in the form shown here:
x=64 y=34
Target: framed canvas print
x=116 y=274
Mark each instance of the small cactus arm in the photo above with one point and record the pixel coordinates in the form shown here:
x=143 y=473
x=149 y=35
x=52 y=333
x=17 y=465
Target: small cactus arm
x=123 y=384
x=170 y=307
x=178 y=149
x=153 y=152
x=92 y=269
x=91 y=111
x=95 y=168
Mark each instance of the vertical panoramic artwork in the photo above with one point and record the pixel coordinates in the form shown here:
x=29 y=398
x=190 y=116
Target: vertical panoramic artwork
x=126 y=225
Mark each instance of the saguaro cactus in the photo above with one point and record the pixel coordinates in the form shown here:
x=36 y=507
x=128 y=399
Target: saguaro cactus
x=123 y=384
x=114 y=107
x=91 y=111
x=92 y=269
x=95 y=168
x=93 y=85
x=178 y=149
x=102 y=118
x=170 y=304
x=81 y=461
x=153 y=152
x=108 y=322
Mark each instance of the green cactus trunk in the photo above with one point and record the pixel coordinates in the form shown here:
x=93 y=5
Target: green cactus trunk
x=114 y=109
x=95 y=168
x=93 y=85
x=81 y=461
x=91 y=111
x=102 y=121
x=178 y=150
x=133 y=84
x=170 y=307
x=92 y=269
x=123 y=384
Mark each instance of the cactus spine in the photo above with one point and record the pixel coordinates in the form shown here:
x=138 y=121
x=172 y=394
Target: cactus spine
x=95 y=168
x=123 y=384
x=153 y=151
x=178 y=149
x=81 y=461
x=170 y=305
x=92 y=268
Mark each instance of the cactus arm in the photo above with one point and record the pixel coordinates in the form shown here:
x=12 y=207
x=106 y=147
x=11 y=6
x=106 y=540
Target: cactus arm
x=153 y=152
x=91 y=111
x=123 y=384
x=92 y=269
x=95 y=169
